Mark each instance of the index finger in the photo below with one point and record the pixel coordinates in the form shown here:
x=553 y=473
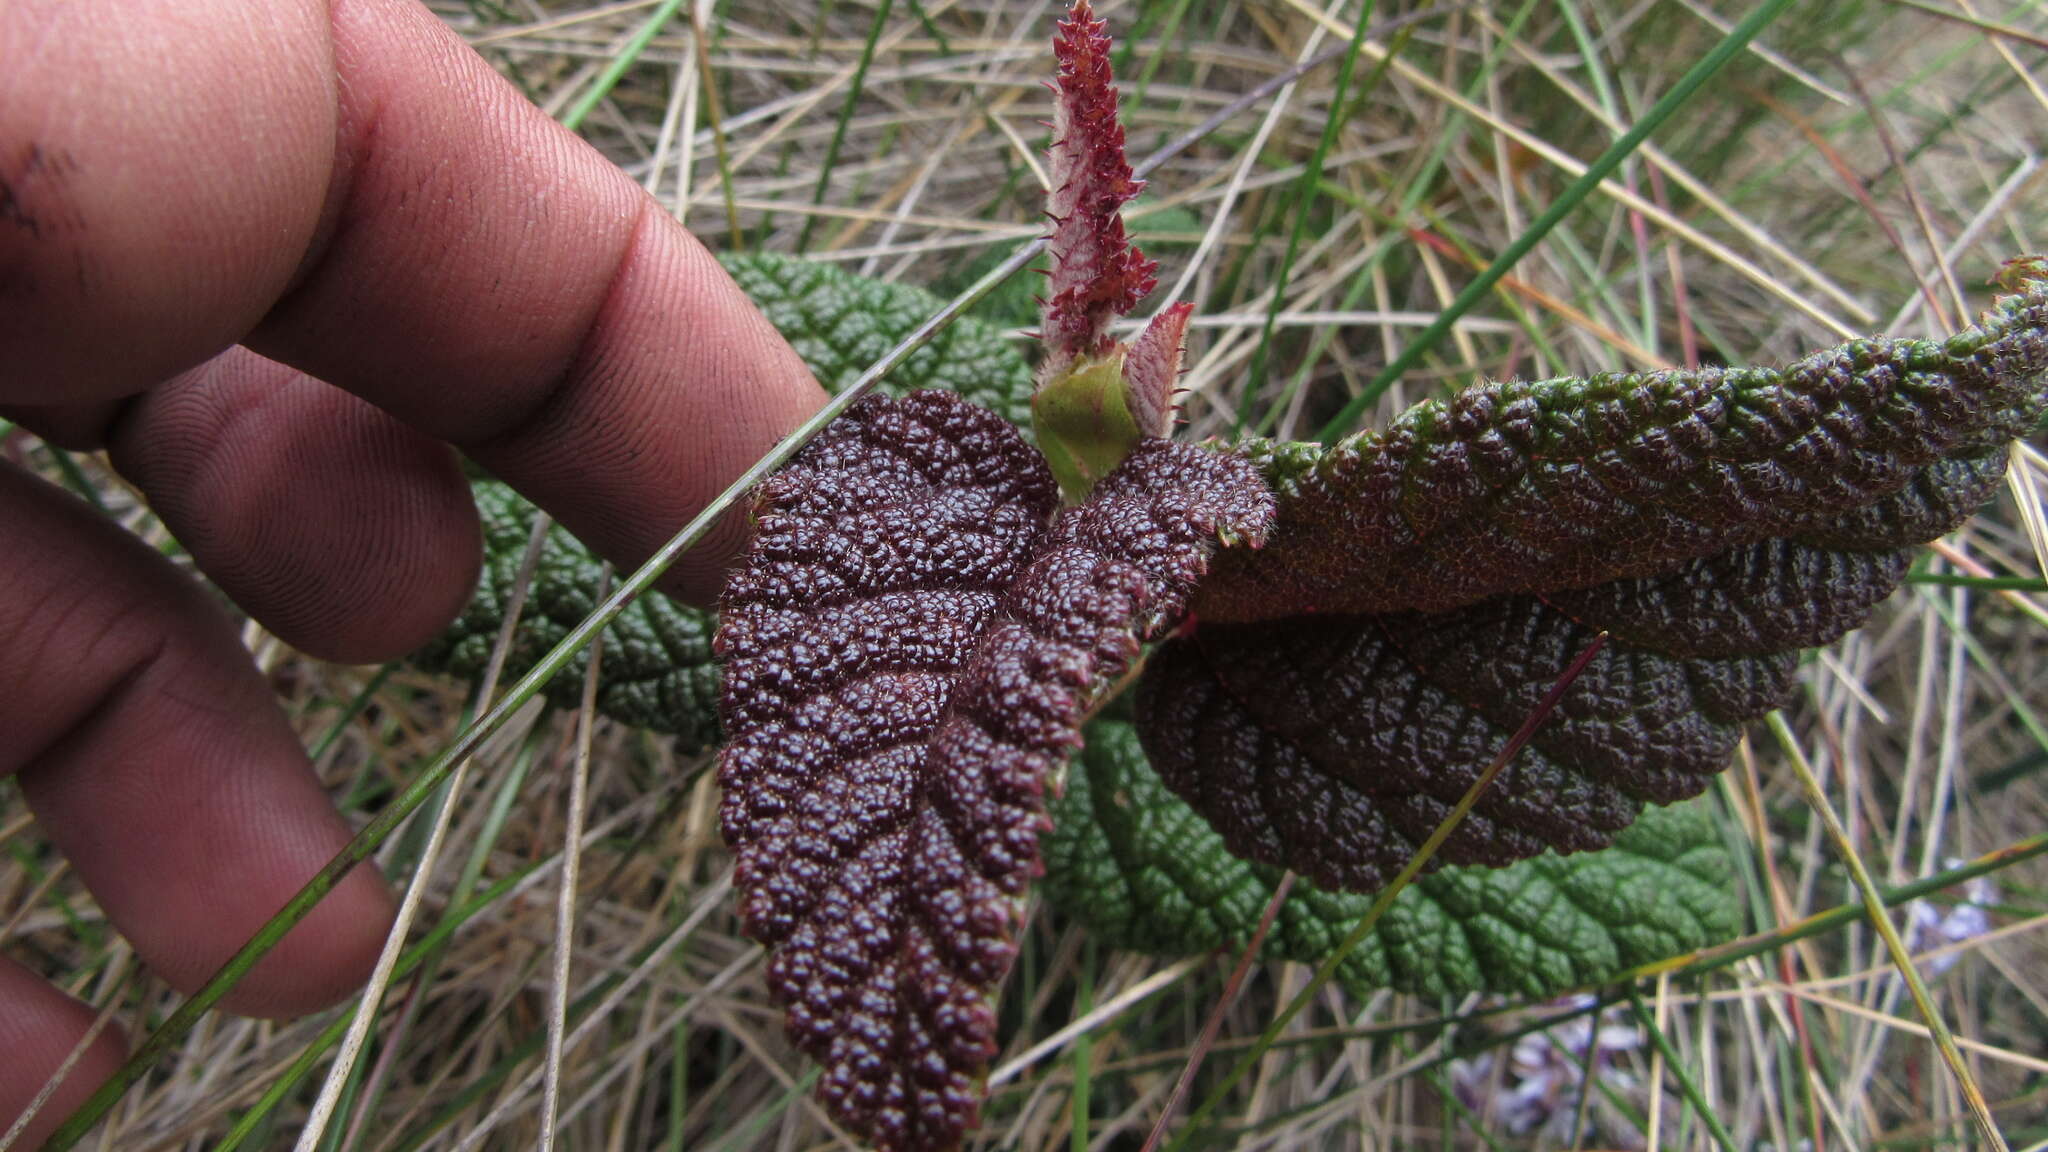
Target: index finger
x=354 y=192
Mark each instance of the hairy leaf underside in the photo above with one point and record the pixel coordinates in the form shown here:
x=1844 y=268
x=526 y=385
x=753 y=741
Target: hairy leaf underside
x=1426 y=586
x=1132 y=862
x=910 y=649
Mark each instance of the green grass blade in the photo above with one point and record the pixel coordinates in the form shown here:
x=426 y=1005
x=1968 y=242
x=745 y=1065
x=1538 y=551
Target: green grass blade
x=1680 y=93
x=1304 y=199
x=1687 y=1086
x=1874 y=908
x=616 y=68
x=846 y=107
x=409 y=963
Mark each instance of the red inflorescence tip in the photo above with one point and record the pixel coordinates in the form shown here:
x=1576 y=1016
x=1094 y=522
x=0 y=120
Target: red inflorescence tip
x=1097 y=274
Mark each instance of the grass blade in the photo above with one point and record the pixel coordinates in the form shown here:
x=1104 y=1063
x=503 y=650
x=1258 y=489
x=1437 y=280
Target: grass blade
x=1758 y=19
x=1874 y=909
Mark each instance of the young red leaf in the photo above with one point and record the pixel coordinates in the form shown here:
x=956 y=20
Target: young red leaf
x=911 y=650
x=1152 y=369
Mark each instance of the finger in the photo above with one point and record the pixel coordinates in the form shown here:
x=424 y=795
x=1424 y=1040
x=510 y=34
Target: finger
x=155 y=758
x=472 y=268
x=532 y=304
x=39 y=1026
x=80 y=427
x=162 y=169
x=346 y=533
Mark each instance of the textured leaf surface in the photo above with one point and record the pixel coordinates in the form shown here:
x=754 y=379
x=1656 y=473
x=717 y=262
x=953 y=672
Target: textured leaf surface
x=881 y=558
x=910 y=651
x=1132 y=862
x=658 y=671
x=1335 y=744
x=1425 y=587
x=841 y=322
x=1535 y=487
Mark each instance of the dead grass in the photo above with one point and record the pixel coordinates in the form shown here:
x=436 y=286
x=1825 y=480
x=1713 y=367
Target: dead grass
x=1864 y=168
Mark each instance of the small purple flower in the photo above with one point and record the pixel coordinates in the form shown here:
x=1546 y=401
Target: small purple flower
x=1930 y=927
x=1540 y=1086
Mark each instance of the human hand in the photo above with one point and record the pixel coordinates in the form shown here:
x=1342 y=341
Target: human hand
x=275 y=259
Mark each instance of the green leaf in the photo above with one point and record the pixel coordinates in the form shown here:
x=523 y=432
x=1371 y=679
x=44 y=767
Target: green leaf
x=841 y=322
x=1083 y=424
x=1138 y=867
x=658 y=671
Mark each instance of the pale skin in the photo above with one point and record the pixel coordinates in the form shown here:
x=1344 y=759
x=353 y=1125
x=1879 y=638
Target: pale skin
x=276 y=258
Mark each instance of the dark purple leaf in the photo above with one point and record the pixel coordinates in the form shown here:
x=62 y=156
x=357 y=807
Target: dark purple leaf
x=1334 y=745
x=1426 y=585
x=1532 y=487
x=911 y=651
